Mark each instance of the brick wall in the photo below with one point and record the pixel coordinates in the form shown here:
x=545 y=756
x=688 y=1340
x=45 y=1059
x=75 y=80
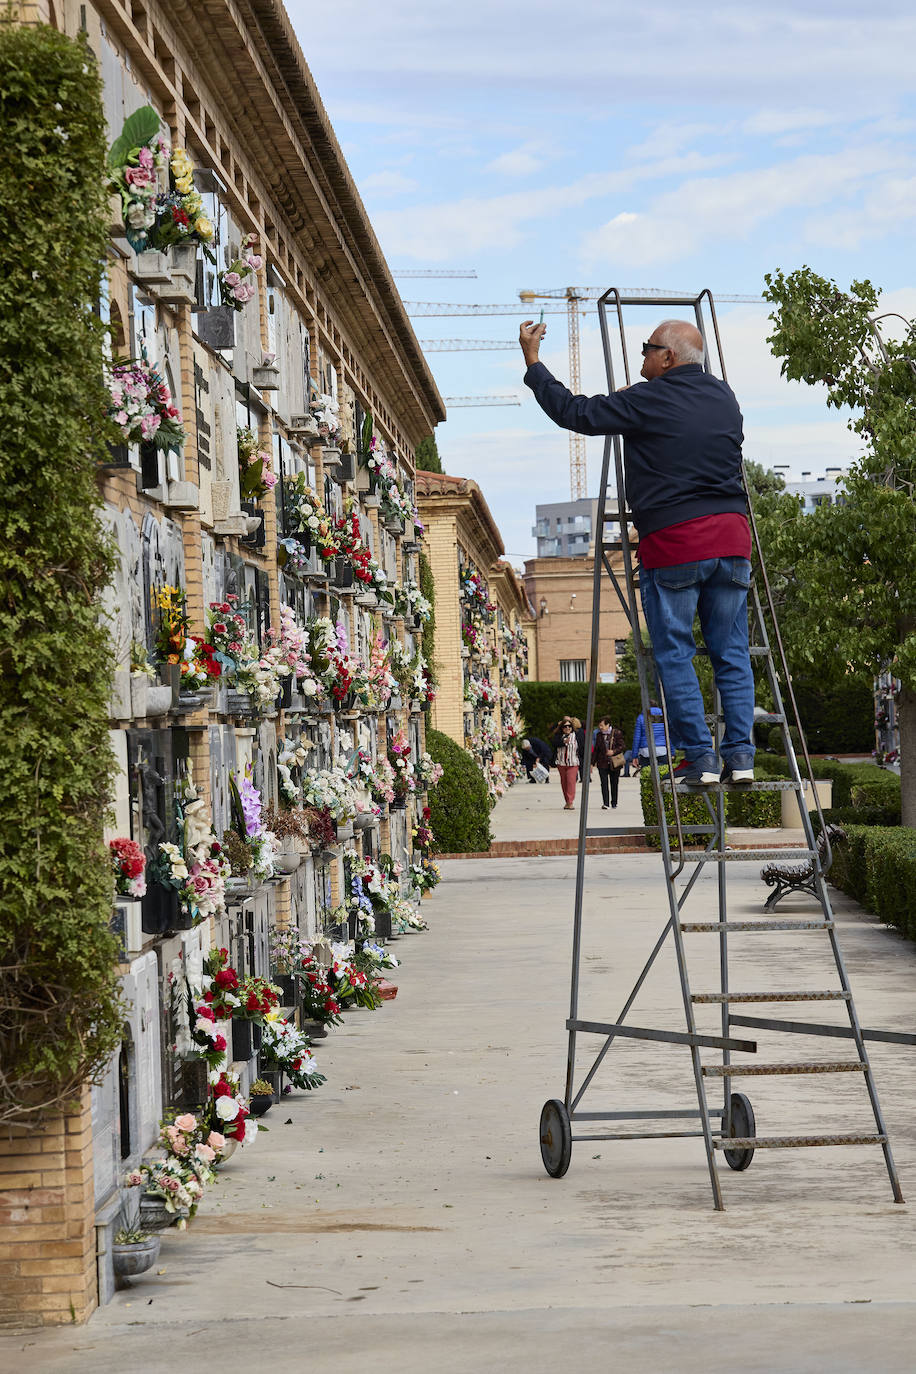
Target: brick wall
x=441 y=547
x=564 y=632
x=47 y=1231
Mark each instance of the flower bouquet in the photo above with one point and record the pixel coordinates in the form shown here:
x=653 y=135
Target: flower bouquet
x=245 y=802
x=136 y=161
x=235 y=284
x=256 y=474
x=284 y=1047
x=326 y=411
x=307 y=515
x=223 y=642
x=317 y=997
x=352 y=987
x=428 y=772
x=227 y=1110
x=180 y=215
x=128 y=863
x=142 y=406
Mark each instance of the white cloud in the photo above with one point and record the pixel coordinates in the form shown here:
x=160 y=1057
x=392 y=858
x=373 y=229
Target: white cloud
x=519 y=162
x=704 y=210
x=436 y=233
x=786 y=121
x=388 y=183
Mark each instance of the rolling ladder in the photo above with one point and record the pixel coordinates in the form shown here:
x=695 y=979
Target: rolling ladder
x=729 y=1129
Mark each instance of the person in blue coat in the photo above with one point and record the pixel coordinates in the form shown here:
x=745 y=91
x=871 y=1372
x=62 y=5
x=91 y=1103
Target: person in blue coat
x=640 y=749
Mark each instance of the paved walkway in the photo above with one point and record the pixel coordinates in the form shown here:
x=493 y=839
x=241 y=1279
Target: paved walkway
x=399 y=1219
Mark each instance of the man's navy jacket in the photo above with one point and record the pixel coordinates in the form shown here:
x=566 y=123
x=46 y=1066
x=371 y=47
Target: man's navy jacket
x=682 y=436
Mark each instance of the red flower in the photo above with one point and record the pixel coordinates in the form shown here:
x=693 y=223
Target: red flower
x=227 y=979
x=179 y=216
x=219 y=1043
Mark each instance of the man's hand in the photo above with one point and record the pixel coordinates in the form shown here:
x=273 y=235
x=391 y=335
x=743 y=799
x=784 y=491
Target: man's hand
x=530 y=336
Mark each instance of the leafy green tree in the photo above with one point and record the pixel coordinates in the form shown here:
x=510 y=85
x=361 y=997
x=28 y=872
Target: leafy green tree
x=427 y=455
x=845 y=576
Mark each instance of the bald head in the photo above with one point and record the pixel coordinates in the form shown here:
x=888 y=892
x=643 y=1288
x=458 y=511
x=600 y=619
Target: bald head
x=684 y=340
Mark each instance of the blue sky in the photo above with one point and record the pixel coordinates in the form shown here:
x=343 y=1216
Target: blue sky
x=598 y=144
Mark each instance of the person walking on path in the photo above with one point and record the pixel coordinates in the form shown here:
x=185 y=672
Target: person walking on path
x=534 y=751
x=608 y=746
x=682 y=432
x=569 y=758
x=640 y=748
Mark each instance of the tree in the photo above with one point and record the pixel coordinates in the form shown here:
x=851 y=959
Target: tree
x=845 y=576
x=427 y=455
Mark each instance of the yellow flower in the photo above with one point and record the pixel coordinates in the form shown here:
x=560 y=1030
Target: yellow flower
x=184 y=184
x=272 y=1015
x=203 y=227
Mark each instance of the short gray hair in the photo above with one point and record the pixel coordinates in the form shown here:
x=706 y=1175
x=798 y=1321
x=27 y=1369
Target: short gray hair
x=684 y=340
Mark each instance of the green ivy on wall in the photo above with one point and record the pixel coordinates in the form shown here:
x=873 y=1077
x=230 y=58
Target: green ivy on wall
x=60 y=1009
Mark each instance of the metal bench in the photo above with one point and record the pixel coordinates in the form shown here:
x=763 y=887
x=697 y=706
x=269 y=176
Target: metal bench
x=785 y=878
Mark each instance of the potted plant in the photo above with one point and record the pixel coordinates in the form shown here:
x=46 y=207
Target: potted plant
x=290 y=825
x=262 y=1097
x=133 y=1249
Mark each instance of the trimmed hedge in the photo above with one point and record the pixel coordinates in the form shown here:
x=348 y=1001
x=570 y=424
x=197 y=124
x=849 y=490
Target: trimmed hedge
x=875 y=786
x=60 y=1008
x=543 y=703
x=460 y=805
x=877 y=866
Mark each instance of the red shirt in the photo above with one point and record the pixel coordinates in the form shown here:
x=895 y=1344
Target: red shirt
x=709 y=536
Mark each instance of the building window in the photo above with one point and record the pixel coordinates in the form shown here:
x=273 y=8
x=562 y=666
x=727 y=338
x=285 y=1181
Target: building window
x=572 y=669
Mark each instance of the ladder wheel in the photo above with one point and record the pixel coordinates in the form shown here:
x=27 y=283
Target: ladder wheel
x=556 y=1138
x=743 y=1124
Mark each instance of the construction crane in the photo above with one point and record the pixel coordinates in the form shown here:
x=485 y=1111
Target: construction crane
x=432 y=272
x=464 y=345
x=578 y=467
x=429 y=309
x=574 y=295
x=458 y=401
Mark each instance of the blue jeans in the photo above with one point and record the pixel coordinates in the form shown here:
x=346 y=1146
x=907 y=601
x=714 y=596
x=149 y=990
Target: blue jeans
x=716 y=588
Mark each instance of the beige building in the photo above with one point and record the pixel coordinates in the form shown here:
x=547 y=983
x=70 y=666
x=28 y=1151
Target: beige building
x=324 y=319
x=560 y=591
x=485 y=634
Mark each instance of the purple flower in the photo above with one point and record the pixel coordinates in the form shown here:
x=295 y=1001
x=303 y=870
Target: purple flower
x=251 y=805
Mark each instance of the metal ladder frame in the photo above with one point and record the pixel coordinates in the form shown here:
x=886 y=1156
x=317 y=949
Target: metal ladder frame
x=559 y=1120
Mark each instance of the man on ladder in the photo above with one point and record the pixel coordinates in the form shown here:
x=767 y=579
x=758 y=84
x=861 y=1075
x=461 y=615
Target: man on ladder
x=682 y=435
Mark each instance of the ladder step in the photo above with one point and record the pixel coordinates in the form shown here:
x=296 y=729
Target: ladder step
x=745 y=855
x=838 y=996
x=770 y=718
x=759 y=1070
x=686 y=789
x=792 y=1142
x=703 y=927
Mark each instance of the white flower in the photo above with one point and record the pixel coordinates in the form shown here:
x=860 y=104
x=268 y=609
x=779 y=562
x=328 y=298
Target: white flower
x=251 y=1131
x=227 y=1109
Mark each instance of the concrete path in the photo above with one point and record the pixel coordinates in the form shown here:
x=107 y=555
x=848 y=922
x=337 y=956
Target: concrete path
x=399 y=1219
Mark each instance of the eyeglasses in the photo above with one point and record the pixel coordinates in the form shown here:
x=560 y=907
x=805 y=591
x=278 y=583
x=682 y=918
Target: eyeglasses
x=647 y=346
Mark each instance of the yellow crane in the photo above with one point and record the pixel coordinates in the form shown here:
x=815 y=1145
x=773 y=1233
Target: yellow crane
x=578 y=466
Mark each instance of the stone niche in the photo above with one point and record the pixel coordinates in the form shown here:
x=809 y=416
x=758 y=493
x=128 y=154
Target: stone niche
x=126 y=1107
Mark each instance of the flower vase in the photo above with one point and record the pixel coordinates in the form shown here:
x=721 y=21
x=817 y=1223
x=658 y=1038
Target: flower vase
x=139 y=692
x=154 y=1215
x=135 y=1258
x=287 y=861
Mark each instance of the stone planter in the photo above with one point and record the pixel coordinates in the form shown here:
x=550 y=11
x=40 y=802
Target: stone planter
x=158 y=699
x=238 y=887
x=364 y=820
x=416 y=707
x=371 y=501
x=154 y=1216
x=151 y=269
x=304 y=427
x=119 y=703
x=394 y=525
x=315 y=1030
x=128 y=1260
x=239 y=703
x=345 y=831
x=266 y=378
x=331 y=460
x=139 y=691
x=182 y=263
x=118 y=457
x=287 y=861
x=327 y=856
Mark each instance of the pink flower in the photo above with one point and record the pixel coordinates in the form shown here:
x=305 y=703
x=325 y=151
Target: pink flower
x=232 y=278
x=205 y=1153
x=186 y=1122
